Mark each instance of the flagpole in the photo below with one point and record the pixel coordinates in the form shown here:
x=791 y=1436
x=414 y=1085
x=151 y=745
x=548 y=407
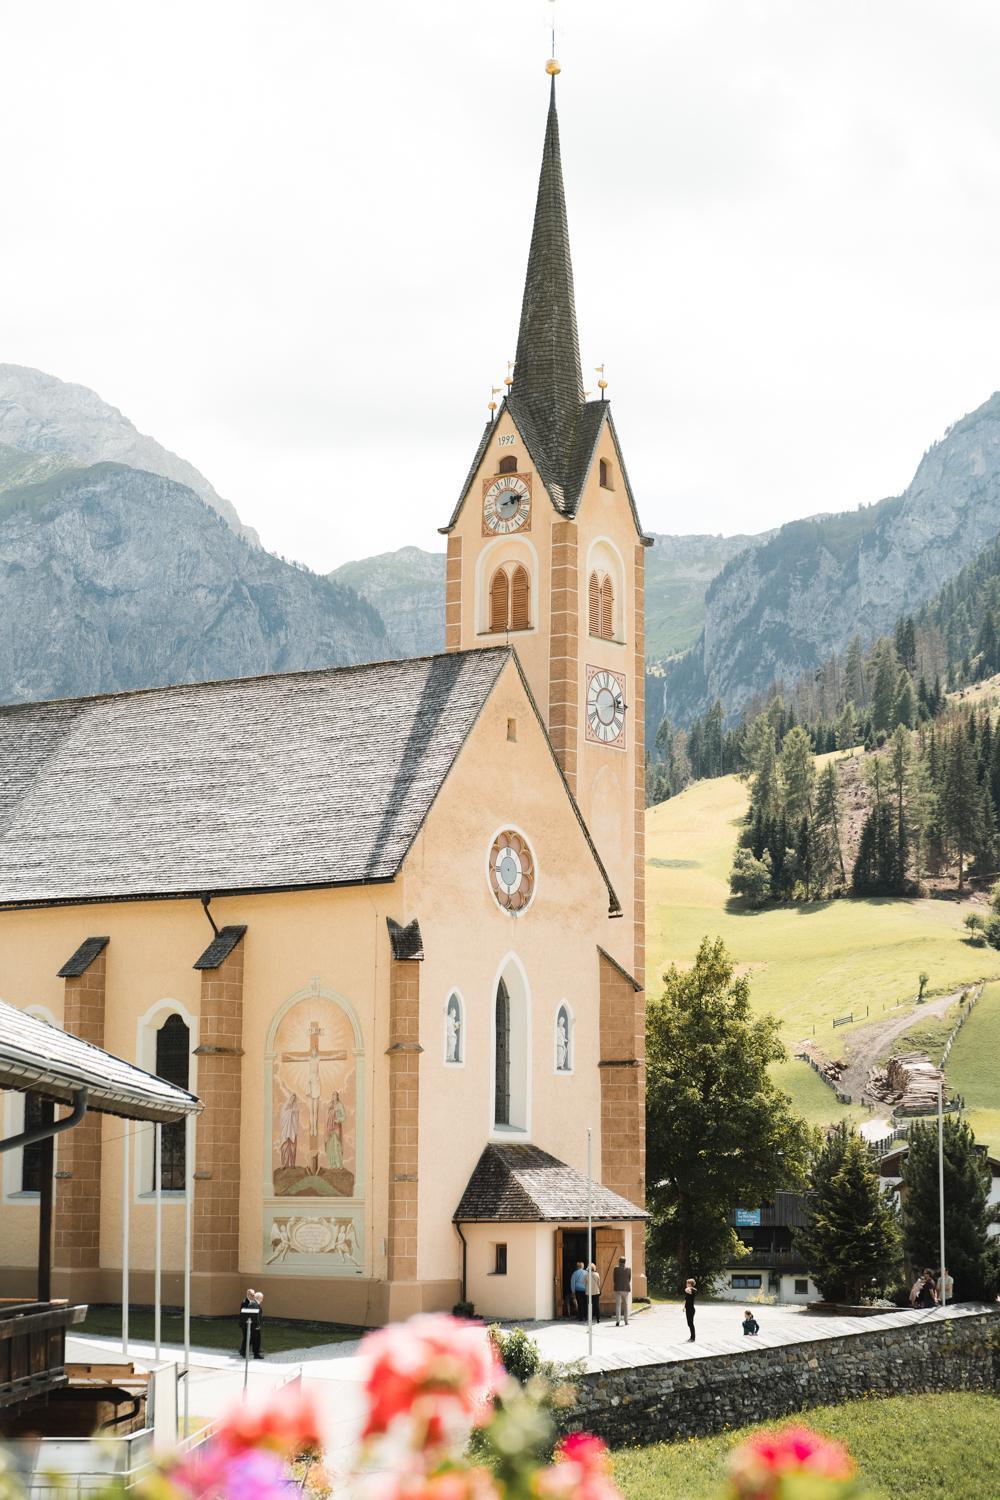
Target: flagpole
x=944 y=1289
x=590 y=1244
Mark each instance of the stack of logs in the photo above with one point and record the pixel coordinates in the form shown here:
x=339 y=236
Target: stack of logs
x=909 y=1083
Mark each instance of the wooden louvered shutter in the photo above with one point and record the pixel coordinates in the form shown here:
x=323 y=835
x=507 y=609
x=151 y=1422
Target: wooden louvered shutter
x=520 y=600
x=594 y=600
x=607 y=609
x=499 y=594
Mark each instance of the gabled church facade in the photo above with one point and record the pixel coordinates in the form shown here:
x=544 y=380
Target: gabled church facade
x=386 y=921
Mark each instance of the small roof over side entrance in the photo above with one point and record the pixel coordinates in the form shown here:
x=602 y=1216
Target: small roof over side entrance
x=524 y=1185
x=38 y=1058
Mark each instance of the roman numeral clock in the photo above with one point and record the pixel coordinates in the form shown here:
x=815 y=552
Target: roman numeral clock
x=506 y=504
x=606 y=707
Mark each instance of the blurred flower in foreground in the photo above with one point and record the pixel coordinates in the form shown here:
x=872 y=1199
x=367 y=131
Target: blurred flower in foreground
x=454 y=1484
x=581 y=1469
x=813 y=1466
x=436 y=1371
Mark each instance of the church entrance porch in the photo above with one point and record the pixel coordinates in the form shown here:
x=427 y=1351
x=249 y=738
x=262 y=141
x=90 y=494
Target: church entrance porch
x=607 y=1243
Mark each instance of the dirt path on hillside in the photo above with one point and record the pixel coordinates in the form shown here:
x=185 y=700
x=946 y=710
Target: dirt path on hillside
x=869 y=1043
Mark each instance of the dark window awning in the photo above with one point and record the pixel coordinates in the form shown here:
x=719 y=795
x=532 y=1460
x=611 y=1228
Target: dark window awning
x=38 y=1058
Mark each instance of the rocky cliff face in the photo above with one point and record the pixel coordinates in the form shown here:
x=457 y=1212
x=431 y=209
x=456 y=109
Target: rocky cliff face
x=112 y=578
x=679 y=570
x=407 y=589
x=45 y=416
x=780 y=609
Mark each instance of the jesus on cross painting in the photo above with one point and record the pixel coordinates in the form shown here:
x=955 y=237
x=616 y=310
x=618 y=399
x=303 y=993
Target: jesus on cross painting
x=313 y=1109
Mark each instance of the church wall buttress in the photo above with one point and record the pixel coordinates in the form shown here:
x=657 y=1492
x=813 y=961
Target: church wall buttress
x=623 y=1099
x=453 y=595
x=216 y=1220
x=77 y=1216
x=638 y=726
x=564 y=672
x=404 y=1116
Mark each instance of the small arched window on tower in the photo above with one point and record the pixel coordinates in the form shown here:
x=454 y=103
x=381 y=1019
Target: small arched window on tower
x=601 y=605
x=520 y=599
x=606 y=474
x=499 y=600
x=508 y=464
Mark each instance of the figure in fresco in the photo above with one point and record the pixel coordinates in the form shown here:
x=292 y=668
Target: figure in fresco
x=335 y=1117
x=453 y=1030
x=288 y=1126
x=314 y=1091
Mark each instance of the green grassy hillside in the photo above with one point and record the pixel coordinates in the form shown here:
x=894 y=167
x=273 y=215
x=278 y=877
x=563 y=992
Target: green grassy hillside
x=973 y=1066
x=807 y=963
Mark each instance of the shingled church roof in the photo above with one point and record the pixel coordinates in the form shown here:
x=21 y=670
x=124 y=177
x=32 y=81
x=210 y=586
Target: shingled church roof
x=523 y=1184
x=560 y=429
x=308 y=778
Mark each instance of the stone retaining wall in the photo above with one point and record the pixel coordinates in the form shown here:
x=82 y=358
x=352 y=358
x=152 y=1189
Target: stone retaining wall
x=695 y=1397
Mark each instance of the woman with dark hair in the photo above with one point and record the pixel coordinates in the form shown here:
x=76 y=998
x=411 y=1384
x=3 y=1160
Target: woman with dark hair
x=689 y=1291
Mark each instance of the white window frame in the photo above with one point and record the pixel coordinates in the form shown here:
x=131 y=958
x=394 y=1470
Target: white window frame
x=147 y=1027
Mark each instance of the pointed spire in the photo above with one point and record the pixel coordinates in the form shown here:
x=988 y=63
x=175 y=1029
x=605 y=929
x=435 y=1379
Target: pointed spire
x=547 y=372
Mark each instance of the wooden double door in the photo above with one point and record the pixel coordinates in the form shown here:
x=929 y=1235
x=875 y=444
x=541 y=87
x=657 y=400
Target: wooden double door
x=571 y=1246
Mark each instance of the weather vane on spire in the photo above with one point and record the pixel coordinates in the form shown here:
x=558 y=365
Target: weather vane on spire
x=552 y=67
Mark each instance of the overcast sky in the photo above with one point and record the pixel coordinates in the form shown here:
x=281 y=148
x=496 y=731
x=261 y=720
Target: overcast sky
x=289 y=240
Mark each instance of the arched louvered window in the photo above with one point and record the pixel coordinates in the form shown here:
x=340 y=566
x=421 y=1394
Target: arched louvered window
x=520 y=599
x=508 y=464
x=499 y=600
x=607 y=609
x=173 y=1047
x=594 y=603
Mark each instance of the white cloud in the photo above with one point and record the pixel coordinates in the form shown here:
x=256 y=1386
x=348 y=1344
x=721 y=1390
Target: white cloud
x=289 y=241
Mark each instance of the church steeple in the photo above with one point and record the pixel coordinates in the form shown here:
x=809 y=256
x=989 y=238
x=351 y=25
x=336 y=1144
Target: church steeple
x=547 y=374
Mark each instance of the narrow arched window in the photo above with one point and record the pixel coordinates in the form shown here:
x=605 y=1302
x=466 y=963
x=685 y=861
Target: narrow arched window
x=499 y=600
x=173 y=1048
x=520 y=599
x=501 y=1055
x=606 y=475
x=607 y=609
x=31 y=1156
x=594 y=604
x=508 y=464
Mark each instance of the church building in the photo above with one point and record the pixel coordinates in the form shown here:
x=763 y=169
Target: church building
x=385 y=921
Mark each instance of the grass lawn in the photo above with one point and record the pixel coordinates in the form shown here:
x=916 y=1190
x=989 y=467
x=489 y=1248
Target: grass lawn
x=972 y=1067
x=279 y=1334
x=906 y=1447
x=807 y=963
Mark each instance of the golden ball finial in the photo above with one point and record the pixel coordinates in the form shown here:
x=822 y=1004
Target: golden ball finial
x=552 y=67
x=602 y=385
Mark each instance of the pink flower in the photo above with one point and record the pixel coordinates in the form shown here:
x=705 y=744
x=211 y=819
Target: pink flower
x=465 y=1484
x=217 y=1473
x=581 y=1469
x=435 y=1370
x=758 y=1466
x=284 y=1421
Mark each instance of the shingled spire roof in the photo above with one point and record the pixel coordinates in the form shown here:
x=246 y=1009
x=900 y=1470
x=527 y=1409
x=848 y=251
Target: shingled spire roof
x=547 y=378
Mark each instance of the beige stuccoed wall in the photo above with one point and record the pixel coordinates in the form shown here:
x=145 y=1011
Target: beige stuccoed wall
x=467 y=939
x=527 y=1289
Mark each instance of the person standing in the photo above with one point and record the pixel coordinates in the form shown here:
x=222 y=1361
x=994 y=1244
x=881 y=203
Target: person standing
x=622 y=1284
x=689 y=1291
x=578 y=1286
x=923 y=1293
x=250 y=1321
x=945 y=1287
x=594 y=1292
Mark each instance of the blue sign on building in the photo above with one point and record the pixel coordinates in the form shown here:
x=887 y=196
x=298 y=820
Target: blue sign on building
x=748 y=1218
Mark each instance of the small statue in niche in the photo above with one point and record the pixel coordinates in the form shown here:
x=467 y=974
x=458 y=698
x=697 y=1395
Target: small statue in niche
x=562 y=1043
x=453 y=1033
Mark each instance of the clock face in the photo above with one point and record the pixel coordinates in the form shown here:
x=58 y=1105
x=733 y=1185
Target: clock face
x=506 y=504
x=512 y=871
x=606 y=707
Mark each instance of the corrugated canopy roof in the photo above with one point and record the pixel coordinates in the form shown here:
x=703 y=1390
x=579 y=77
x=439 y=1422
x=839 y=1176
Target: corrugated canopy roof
x=38 y=1057
x=307 y=779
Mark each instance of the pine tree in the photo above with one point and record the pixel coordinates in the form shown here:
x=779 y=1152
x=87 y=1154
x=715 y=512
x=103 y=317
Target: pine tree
x=885 y=674
x=765 y=793
x=961 y=804
x=851 y=1240
x=828 y=858
x=847 y=728
x=972 y=1259
x=905 y=709
x=855 y=673
x=900 y=756
x=798 y=775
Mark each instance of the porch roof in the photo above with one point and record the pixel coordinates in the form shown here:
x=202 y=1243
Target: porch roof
x=523 y=1184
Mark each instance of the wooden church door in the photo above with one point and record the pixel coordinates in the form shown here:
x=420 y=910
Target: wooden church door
x=609 y=1244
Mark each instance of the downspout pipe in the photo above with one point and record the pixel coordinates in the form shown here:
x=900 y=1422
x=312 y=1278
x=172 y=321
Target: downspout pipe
x=54 y=1127
x=465 y=1253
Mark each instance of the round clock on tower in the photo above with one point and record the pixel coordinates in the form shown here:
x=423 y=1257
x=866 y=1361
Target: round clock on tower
x=506 y=504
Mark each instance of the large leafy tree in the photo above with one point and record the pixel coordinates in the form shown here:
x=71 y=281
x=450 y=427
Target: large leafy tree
x=852 y=1238
x=971 y=1256
x=718 y=1130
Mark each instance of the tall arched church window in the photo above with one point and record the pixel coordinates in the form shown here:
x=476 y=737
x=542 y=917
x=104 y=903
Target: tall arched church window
x=594 y=604
x=501 y=1100
x=508 y=465
x=499 y=600
x=607 y=609
x=173 y=1056
x=520 y=599
x=31 y=1156
x=454 y=1032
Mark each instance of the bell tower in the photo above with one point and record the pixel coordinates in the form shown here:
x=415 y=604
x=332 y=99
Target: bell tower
x=545 y=551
